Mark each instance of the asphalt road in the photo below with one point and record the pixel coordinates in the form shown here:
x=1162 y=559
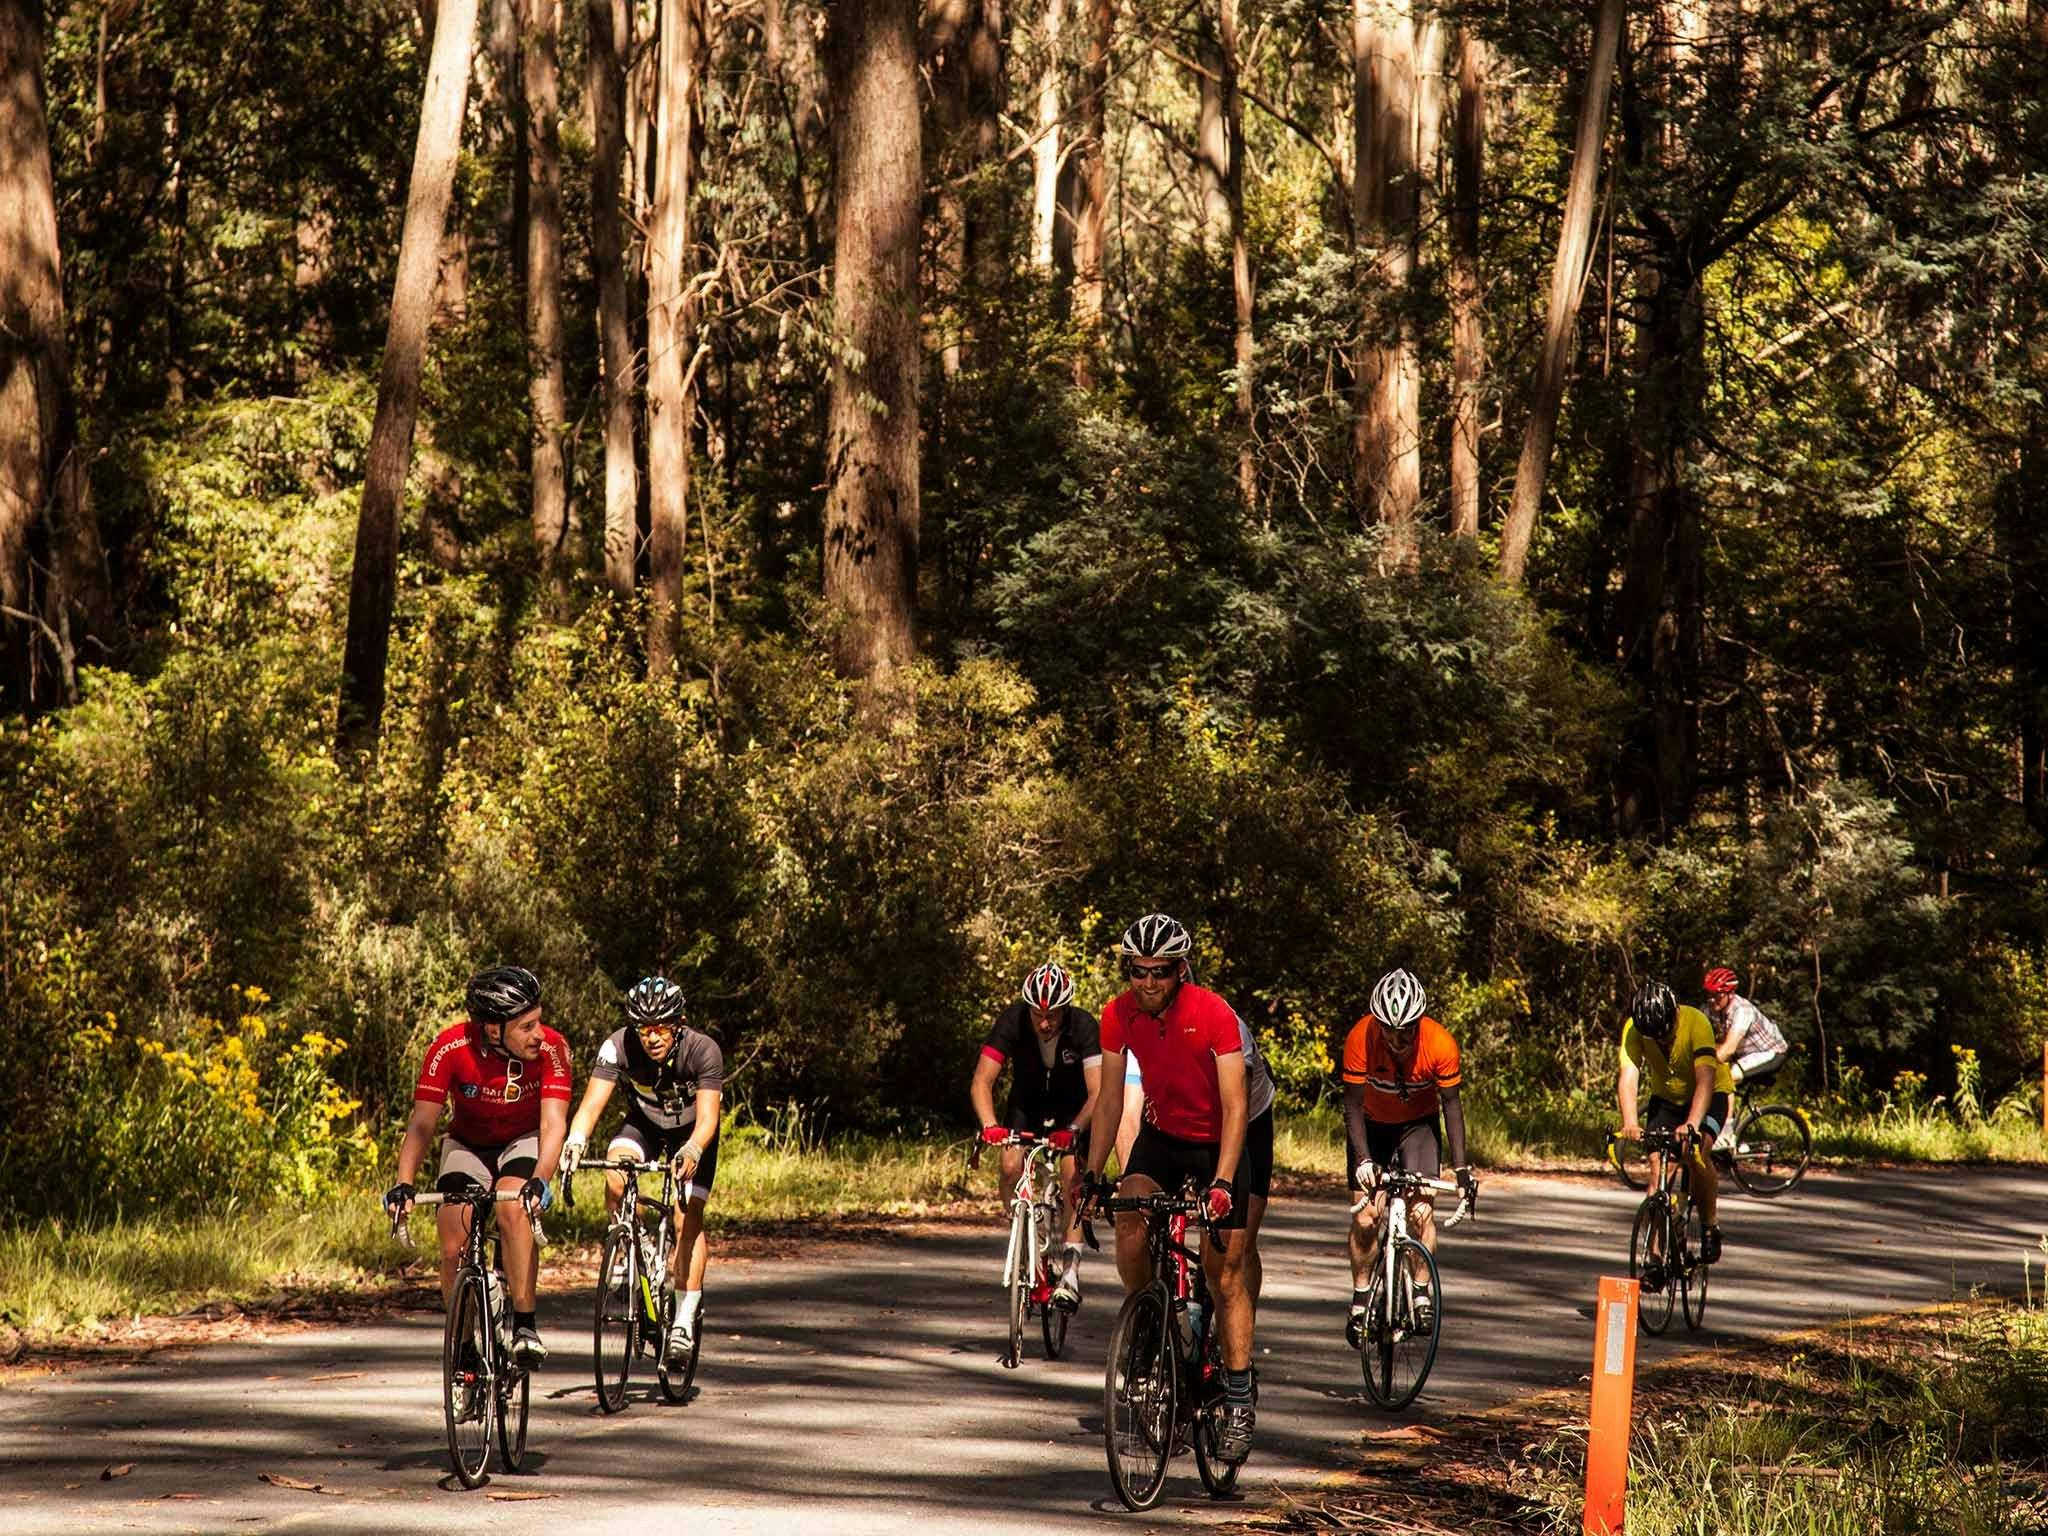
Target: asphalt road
x=861 y=1391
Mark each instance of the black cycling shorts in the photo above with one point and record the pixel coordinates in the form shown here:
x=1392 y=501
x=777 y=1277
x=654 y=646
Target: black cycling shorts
x=646 y=1142
x=1667 y=1116
x=1017 y=1118
x=1171 y=1162
x=1414 y=1145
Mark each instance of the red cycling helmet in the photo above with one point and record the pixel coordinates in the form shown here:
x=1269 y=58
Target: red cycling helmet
x=1719 y=980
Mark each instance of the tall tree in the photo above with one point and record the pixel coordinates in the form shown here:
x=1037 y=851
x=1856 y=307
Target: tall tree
x=871 y=467
x=1468 y=297
x=1046 y=158
x=1242 y=297
x=53 y=580
x=541 y=73
x=671 y=329
x=1091 y=216
x=609 y=45
x=1567 y=280
x=1396 y=62
x=374 y=579
x=948 y=27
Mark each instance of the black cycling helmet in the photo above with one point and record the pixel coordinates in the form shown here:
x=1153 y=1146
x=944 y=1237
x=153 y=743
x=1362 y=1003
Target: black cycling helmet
x=1155 y=937
x=502 y=993
x=654 y=1000
x=1654 y=1008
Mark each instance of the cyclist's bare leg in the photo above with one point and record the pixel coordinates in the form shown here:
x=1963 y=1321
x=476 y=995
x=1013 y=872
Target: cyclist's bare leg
x=522 y=1255
x=1133 y=1121
x=451 y=1225
x=693 y=1250
x=1365 y=1240
x=1706 y=1184
x=1224 y=1260
x=1013 y=1170
x=1070 y=1198
x=1254 y=1267
x=1133 y=1260
x=614 y=1191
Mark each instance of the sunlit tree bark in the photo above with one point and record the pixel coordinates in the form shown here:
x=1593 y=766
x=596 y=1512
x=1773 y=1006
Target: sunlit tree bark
x=671 y=330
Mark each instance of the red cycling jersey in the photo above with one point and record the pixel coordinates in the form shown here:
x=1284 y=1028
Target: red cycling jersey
x=493 y=1103
x=1177 y=1053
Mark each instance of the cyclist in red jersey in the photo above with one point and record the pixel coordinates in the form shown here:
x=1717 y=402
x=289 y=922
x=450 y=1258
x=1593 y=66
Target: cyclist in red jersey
x=1208 y=1117
x=506 y=1075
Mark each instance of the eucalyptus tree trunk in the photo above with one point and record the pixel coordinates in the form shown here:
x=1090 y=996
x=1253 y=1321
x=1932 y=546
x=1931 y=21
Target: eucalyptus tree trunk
x=508 y=96
x=1045 y=155
x=1567 y=279
x=609 y=45
x=671 y=330
x=1396 y=60
x=1212 y=134
x=547 y=388
x=1242 y=297
x=947 y=30
x=1468 y=296
x=1091 y=220
x=871 y=466
x=373 y=580
x=54 y=591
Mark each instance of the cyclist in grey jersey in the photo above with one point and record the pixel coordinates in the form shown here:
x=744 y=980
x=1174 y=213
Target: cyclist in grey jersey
x=1749 y=1042
x=675 y=1078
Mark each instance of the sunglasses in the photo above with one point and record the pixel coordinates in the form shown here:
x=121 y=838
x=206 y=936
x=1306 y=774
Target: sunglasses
x=514 y=1070
x=1162 y=972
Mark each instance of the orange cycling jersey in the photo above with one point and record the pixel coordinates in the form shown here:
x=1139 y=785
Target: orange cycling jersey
x=1396 y=1092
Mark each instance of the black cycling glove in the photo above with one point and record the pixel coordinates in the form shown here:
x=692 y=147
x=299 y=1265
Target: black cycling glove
x=396 y=1199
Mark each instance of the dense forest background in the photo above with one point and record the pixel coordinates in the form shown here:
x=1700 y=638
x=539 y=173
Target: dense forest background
x=840 y=502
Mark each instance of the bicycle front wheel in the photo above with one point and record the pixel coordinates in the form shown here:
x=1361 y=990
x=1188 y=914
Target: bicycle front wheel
x=1692 y=1269
x=1400 y=1348
x=1773 y=1145
x=1218 y=1476
x=1052 y=1318
x=614 y=1329
x=1138 y=1392
x=1649 y=1255
x=1630 y=1161
x=466 y=1391
x=514 y=1386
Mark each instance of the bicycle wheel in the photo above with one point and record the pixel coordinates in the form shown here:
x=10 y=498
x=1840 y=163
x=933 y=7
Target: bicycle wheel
x=614 y=1330
x=466 y=1390
x=1398 y=1353
x=1773 y=1145
x=1020 y=1303
x=1630 y=1161
x=1218 y=1476
x=514 y=1386
x=1052 y=1319
x=1692 y=1269
x=676 y=1374
x=1649 y=1245
x=1138 y=1391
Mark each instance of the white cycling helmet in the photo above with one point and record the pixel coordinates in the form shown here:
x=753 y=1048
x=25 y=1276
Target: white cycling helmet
x=1049 y=987
x=1397 y=1000
x=1156 y=937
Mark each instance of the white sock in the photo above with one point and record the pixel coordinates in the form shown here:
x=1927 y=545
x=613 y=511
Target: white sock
x=692 y=1301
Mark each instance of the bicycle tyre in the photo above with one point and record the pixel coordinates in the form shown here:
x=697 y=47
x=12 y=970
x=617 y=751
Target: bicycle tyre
x=615 y=1325
x=1773 y=1145
x=1692 y=1274
x=1139 y=1387
x=1052 y=1318
x=515 y=1387
x=1398 y=1357
x=1630 y=1161
x=1020 y=1305
x=1650 y=1236
x=466 y=1389
x=1052 y=1325
x=676 y=1375
x=1218 y=1476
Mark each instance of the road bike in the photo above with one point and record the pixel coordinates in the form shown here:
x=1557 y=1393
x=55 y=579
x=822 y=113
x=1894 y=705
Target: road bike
x=1035 y=1232
x=1396 y=1350
x=482 y=1386
x=1162 y=1391
x=636 y=1295
x=1665 y=1245
x=1768 y=1153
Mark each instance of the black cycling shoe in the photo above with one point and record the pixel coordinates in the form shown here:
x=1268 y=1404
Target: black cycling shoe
x=1710 y=1245
x=1354 y=1328
x=1653 y=1278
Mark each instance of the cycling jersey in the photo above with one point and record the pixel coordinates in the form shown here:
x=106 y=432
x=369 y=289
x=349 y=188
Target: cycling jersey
x=1762 y=1037
x=1178 y=1052
x=664 y=1093
x=1398 y=1092
x=1048 y=1081
x=1669 y=1076
x=495 y=1097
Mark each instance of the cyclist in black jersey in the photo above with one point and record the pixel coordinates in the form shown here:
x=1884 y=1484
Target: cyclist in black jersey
x=675 y=1078
x=1055 y=1058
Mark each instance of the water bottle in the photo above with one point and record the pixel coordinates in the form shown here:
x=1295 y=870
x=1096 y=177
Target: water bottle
x=1185 y=1315
x=1196 y=1316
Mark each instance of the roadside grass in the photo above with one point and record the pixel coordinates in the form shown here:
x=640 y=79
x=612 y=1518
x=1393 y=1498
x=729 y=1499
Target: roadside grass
x=1926 y=1422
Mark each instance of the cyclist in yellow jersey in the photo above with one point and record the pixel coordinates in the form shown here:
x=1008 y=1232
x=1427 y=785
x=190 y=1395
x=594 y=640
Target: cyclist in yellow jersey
x=1669 y=1050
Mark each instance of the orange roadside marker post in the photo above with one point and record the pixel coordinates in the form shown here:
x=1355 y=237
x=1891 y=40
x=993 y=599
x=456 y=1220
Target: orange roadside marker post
x=1614 y=1384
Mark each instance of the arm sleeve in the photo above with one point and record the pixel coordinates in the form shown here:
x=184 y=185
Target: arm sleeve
x=710 y=1065
x=434 y=1074
x=1001 y=1043
x=611 y=1065
x=1087 y=1037
x=555 y=1072
x=1112 y=1029
x=1226 y=1031
x=1354 y=1054
x=1449 y=1065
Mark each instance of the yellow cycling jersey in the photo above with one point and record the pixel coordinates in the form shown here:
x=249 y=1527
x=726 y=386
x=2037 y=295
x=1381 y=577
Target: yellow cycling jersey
x=1669 y=1077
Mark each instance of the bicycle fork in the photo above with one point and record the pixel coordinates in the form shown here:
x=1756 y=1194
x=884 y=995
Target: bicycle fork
x=1023 y=1243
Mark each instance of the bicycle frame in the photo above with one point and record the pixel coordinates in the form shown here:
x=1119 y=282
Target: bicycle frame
x=1030 y=1205
x=1400 y=1186
x=628 y=1216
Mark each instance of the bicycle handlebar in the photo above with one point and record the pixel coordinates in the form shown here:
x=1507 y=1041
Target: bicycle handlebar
x=477 y=1196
